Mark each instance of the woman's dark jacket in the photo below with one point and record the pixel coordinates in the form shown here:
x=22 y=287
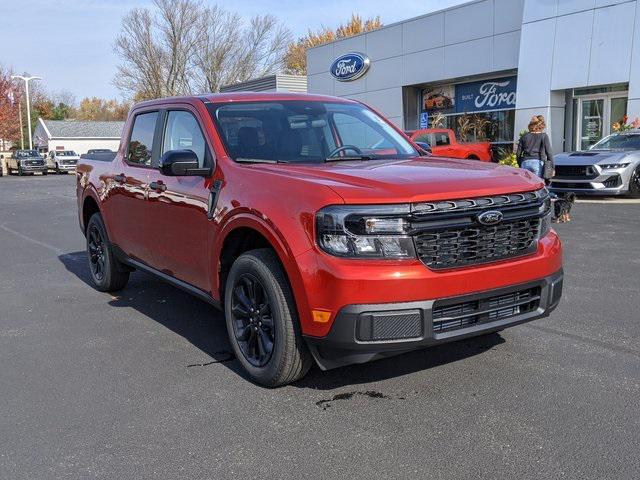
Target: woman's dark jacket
x=538 y=146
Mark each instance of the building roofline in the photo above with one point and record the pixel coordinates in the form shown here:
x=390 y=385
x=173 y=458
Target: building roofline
x=44 y=125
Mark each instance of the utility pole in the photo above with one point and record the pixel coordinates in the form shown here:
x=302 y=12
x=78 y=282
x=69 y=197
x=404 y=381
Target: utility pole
x=21 y=129
x=26 y=87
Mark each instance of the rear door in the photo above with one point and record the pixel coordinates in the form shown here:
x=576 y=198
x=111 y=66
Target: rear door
x=179 y=205
x=127 y=201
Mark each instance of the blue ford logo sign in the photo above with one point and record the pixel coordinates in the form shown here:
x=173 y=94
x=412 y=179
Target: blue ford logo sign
x=350 y=66
x=490 y=217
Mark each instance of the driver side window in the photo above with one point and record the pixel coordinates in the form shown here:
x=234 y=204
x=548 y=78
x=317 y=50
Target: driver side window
x=182 y=132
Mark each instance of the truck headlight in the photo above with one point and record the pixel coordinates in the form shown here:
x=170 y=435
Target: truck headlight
x=546 y=209
x=365 y=231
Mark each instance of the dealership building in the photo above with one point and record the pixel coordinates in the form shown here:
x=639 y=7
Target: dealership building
x=485 y=67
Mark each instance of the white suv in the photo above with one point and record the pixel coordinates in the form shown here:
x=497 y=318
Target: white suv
x=62 y=160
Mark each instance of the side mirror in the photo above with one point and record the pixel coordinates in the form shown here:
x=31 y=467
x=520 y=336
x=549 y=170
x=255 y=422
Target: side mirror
x=425 y=148
x=178 y=163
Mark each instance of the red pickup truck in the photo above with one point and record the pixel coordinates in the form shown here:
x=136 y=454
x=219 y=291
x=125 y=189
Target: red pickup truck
x=443 y=143
x=317 y=227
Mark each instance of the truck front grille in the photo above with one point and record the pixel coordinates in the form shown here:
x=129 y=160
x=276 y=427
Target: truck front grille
x=457 y=247
x=448 y=316
x=449 y=234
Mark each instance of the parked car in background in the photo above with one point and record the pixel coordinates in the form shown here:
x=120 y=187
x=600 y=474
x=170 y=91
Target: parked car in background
x=26 y=161
x=444 y=144
x=610 y=167
x=91 y=151
x=62 y=160
x=318 y=228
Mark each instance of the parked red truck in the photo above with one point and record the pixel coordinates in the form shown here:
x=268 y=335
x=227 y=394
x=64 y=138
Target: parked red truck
x=443 y=143
x=317 y=227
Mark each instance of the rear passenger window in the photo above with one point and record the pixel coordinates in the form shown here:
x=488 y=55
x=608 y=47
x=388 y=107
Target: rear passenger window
x=183 y=133
x=141 y=141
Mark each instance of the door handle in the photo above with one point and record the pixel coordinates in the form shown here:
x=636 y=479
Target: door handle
x=158 y=186
x=120 y=178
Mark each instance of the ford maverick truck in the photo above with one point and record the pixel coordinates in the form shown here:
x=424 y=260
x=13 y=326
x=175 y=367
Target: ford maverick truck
x=317 y=227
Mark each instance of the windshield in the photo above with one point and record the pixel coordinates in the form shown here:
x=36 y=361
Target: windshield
x=27 y=153
x=66 y=153
x=618 y=141
x=304 y=131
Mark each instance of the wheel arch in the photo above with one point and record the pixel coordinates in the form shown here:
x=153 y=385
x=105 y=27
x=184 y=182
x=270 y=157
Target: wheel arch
x=246 y=232
x=90 y=206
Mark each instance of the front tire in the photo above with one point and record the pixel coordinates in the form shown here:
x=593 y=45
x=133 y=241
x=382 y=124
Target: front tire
x=107 y=273
x=262 y=320
x=634 y=184
x=20 y=172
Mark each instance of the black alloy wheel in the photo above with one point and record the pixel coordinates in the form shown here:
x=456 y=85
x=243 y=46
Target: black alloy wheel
x=253 y=325
x=96 y=245
x=634 y=183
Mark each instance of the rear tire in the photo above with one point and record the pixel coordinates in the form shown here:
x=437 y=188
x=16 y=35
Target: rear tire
x=107 y=273
x=262 y=320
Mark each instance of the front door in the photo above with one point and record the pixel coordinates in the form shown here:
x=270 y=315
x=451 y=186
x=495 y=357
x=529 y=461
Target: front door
x=178 y=206
x=596 y=116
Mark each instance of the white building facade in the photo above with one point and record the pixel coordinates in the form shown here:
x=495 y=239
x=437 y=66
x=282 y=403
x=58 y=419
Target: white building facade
x=485 y=67
x=76 y=135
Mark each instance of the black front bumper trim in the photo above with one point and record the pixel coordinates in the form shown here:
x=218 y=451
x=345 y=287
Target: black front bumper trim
x=344 y=344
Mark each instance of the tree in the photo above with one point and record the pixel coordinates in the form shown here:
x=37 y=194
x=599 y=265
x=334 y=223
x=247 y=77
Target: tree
x=183 y=47
x=296 y=56
x=97 y=109
x=232 y=52
x=9 y=115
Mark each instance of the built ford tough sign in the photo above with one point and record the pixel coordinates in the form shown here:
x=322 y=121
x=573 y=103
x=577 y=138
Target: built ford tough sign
x=318 y=228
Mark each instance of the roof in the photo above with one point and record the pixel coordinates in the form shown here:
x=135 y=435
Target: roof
x=82 y=129
x=271 y=83
x=244 y=97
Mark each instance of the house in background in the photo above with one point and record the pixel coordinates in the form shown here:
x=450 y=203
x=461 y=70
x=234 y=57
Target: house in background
x=76 y=135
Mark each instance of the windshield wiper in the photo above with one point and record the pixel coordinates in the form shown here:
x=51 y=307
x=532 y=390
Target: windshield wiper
x=348 y=158
x=256 y=160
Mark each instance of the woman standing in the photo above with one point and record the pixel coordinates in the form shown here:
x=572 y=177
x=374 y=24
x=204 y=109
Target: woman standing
x=534 y=149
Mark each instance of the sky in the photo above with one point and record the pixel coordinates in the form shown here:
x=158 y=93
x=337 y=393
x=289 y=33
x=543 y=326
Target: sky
x=69 y=43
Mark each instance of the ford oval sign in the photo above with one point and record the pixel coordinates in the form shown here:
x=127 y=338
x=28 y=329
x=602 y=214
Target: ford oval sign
x=490 y=217
x=350 y=66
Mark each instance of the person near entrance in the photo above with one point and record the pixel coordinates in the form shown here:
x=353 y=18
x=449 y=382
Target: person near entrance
x=534 y=149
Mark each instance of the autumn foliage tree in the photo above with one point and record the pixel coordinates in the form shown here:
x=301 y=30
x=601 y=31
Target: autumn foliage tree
x=296 y=56
x=98 y=109
x=9 y=124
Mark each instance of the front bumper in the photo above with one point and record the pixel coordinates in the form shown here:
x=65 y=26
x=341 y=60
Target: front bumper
x=34 y=168
x=366 y=332
x=604 y=182
x=66 y=168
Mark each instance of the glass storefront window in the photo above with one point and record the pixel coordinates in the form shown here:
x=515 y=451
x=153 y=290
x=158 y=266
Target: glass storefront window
x=495 y=127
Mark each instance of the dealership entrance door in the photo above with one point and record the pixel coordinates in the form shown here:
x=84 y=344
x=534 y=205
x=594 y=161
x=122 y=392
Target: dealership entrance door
x=596 y=115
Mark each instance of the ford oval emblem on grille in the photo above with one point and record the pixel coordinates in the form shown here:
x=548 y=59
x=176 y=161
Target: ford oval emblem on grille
x=490 y=217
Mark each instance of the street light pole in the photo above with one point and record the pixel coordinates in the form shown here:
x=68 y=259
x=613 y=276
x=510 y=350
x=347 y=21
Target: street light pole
x=26 y=87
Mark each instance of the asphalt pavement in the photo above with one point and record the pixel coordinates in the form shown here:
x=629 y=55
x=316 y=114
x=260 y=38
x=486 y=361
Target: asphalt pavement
x=143 y=385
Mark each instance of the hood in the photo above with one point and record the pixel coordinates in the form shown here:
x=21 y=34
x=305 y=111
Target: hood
x=413 y=180
x=589 y=157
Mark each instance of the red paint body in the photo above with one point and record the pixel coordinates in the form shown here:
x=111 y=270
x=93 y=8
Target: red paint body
x=170 y=231
x=472 y=151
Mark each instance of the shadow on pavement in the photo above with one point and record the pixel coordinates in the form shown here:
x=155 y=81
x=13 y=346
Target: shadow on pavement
x=204 y=327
